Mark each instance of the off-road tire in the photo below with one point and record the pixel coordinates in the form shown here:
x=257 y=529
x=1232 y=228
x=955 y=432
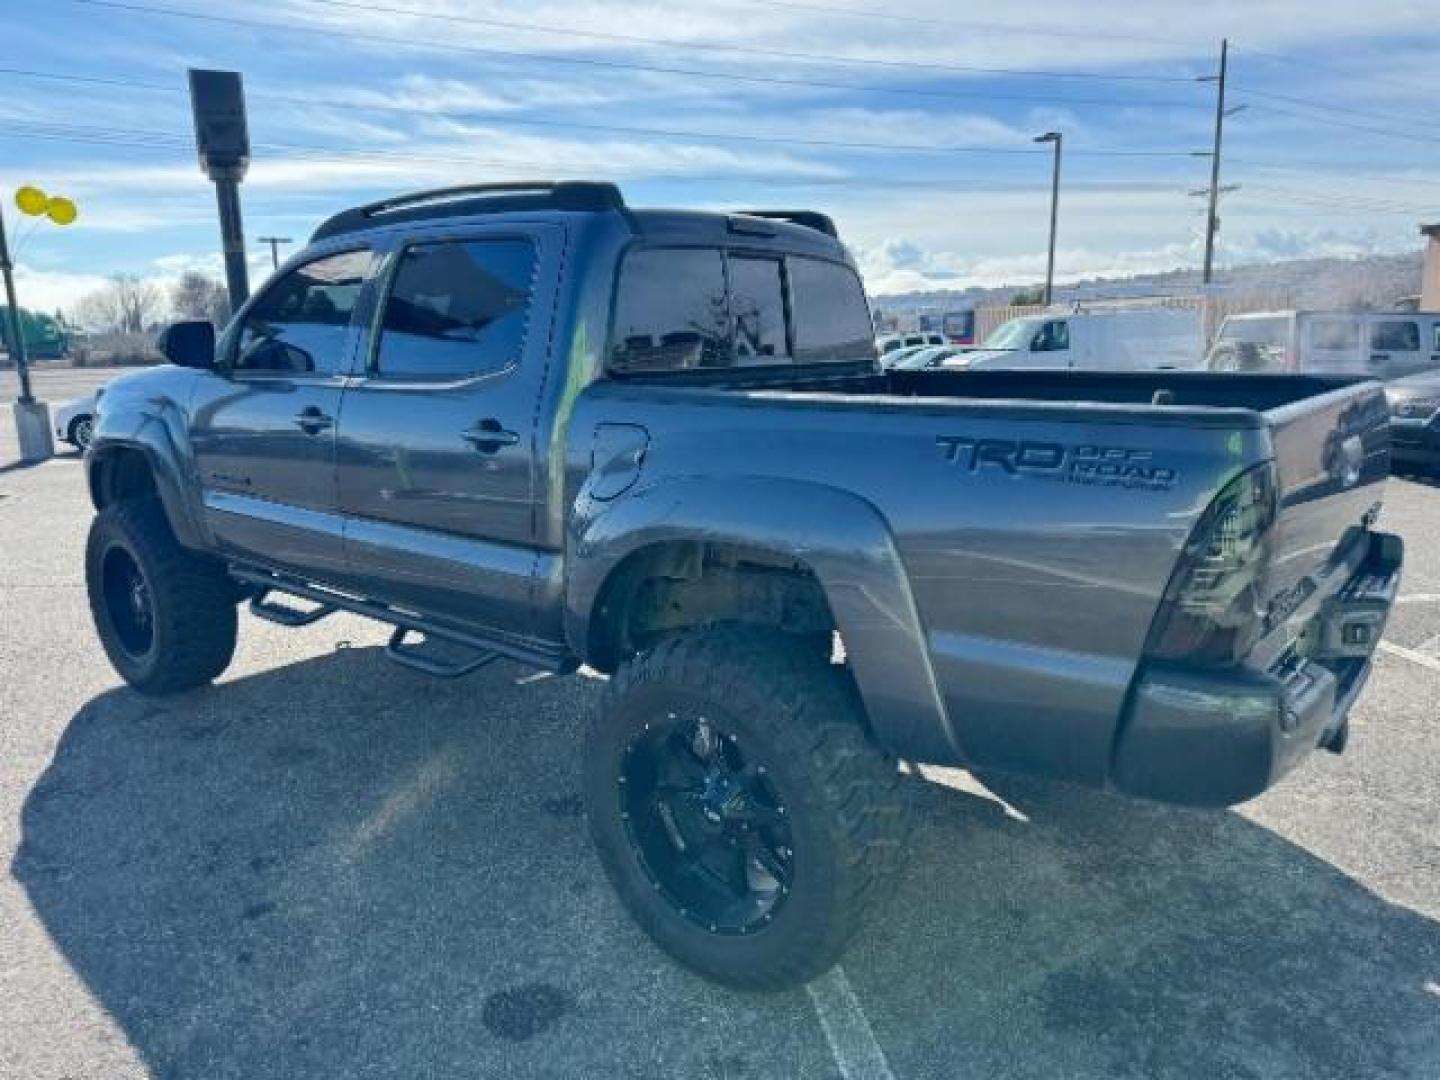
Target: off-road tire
x=193 y=622
x=802 y=716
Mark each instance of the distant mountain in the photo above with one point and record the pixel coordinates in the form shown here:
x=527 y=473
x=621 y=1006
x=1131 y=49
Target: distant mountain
x=1367 y=282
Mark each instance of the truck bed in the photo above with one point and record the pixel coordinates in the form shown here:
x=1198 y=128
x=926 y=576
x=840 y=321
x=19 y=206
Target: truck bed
x=1039 y=516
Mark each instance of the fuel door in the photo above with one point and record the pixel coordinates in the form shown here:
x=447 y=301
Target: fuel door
x=617 y=454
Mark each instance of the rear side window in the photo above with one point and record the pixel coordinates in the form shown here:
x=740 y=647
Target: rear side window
x=671 y=312
x=1395 y=336
x=1335 y=334
x=301 y=323
x=456 y=309
x=831 y=319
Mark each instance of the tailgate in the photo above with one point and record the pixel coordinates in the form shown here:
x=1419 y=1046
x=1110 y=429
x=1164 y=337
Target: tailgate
x=1332 y=456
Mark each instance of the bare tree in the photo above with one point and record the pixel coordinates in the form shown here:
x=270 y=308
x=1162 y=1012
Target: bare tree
x=196 y=296
x=126 y=305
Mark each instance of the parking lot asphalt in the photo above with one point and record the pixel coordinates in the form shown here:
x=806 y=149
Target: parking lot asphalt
x=53 y=384
x=326 y=865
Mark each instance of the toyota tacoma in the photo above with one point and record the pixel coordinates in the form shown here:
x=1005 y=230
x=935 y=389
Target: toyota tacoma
x=531 y=422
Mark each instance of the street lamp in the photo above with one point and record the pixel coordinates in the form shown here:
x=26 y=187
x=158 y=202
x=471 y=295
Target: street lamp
x=1058 y=139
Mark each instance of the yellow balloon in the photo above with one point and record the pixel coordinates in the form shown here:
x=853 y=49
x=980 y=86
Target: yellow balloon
x=32 y=201
x=61 y=210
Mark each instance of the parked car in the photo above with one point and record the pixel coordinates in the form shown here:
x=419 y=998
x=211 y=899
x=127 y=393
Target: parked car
x=74 y=421
x=1415 y=420
x=1385 y=345
x=890 y=343
x=538 y=424
x=1095 y=339
x=923 y=357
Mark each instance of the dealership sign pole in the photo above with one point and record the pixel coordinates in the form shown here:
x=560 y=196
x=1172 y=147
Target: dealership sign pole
x=223 y=141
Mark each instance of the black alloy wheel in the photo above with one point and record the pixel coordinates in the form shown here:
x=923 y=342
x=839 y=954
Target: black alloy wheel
x=707 y=824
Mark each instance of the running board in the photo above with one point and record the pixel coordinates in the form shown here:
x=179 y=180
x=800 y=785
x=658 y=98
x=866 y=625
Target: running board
x=284 y=614
x=413 y=656
x=405 y=622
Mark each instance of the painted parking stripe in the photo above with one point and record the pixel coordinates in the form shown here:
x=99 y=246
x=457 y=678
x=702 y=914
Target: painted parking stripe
x=1419 y=598
x=1414 y=656
x=852 y=1044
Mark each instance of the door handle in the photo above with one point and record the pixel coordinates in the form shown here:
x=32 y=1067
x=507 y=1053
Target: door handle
x=488 y=436
x=312 y=421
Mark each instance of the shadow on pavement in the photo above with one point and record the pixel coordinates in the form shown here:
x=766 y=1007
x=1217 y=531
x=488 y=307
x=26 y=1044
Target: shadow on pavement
x=338 y=868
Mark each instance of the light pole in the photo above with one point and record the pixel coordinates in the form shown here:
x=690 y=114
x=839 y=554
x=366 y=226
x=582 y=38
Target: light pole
x=274 y=242
x=1059 y=140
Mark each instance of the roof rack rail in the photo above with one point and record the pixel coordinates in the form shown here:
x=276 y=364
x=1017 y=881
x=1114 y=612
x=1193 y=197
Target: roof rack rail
x=475 y=199
x=811 y=219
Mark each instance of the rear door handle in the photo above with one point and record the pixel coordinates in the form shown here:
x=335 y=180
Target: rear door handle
x=312 y=421
x=488 y=436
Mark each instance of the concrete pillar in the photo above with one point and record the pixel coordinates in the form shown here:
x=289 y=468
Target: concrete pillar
x=32 y=426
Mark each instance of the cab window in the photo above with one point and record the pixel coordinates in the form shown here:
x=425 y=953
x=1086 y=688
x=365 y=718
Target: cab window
x=1054 y=336
x=671 y=313
x=300 y=325
x=1395 y=336
x=456 y=309
x=831 y=317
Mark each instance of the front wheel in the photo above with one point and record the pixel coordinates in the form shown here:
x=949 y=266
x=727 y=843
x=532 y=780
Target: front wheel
x=82 y=431
x=742 y=813
x=165 y=615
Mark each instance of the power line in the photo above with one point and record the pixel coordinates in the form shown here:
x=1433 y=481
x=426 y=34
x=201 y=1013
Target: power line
x=744 y=50
x=660 y=133
x=1348 y=125
x=1311 y=103
x=597 y=62
x=181 y=145
x=1035 y=30
x=1369 y=74
x=1312 y=169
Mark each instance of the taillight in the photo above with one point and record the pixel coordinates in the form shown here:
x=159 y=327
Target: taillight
x=1213 y=611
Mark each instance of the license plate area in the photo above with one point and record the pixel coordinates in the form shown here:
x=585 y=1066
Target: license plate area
x=1349 y=624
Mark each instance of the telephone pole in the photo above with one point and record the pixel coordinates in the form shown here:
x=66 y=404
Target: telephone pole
x=1212 y=220
x=274 y=242
x=1059 y=140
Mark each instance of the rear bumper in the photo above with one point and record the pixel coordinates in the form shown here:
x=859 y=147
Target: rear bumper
x=1216 y=738
x=1415 y=442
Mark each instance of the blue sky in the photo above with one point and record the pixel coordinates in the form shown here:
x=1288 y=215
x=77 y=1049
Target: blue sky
x=740 y=103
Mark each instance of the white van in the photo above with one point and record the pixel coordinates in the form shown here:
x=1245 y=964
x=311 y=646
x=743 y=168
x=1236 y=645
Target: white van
x=1385 y=344
x=1103 y=339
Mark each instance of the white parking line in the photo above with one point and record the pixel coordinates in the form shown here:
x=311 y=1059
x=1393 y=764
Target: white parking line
x=1415 y=657
x=1419 y=598
x=852 y=1044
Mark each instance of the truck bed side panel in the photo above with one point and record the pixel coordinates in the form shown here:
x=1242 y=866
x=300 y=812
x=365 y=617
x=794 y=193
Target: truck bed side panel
x=1037 y=542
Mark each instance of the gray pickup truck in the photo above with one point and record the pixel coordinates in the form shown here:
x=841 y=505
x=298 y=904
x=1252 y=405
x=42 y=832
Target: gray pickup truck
x=537 y=424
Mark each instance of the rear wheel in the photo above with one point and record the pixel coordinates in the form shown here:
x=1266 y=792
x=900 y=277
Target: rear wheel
x=165 y=615
x=743 y=815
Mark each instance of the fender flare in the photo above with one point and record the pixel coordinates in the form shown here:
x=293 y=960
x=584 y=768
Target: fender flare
x=841 y=537
x=151 y=430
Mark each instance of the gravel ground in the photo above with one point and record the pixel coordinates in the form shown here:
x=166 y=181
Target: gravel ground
x=329 y=866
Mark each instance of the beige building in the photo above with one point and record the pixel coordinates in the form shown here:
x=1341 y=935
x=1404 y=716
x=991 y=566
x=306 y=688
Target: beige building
x=1430 y=276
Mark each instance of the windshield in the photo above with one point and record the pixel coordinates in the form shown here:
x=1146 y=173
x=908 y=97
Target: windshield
x=1015 y=334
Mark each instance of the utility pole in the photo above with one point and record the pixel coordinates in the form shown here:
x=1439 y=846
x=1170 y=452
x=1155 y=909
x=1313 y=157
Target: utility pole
x=274 y=242
x=1058 y=140
x=1212 y=220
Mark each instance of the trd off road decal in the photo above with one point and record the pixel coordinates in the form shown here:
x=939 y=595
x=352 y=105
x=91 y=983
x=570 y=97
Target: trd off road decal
x=1101 y=466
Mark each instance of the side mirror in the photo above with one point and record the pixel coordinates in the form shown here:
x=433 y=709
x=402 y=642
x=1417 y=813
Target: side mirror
x=189 y=344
